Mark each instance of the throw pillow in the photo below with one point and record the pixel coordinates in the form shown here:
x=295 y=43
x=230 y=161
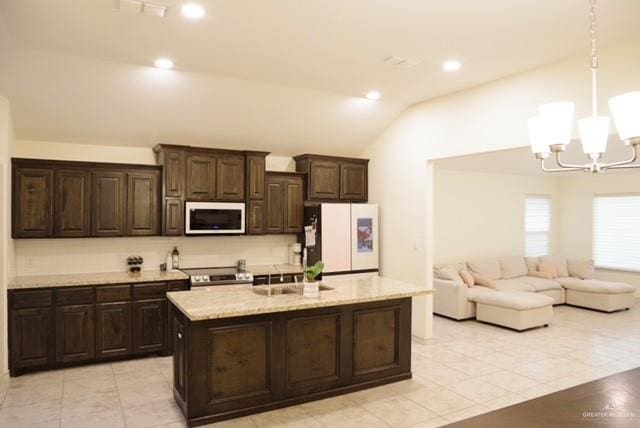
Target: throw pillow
x=467 y=278
x=482 y=280
x=548 y=269
x=583 y=269
x=448 y=274
x=560 y=262
x=542 y=275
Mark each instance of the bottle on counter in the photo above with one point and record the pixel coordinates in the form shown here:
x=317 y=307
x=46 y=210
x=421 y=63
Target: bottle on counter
x=169 y=261
x=175 y=259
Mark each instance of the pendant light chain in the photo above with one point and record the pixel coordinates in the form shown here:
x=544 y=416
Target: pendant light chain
x=594 y=58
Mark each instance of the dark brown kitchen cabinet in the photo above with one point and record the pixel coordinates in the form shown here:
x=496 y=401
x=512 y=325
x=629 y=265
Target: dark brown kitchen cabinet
x=201 y=177
x=256 y=164
x=72 y=203
x=149 y=325
x=142 y=203
x=353 y=181
x=284 y=202
x=32 y=202
x=108 y=201
x=113 y=329
x=173 y=172
x=75 y=333
x=173 y=218
x=230 y=178
x=255 y=218
x=333 y=179
x=30 y=337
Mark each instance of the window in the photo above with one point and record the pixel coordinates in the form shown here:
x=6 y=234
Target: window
x=537 y=226
x=616 y=232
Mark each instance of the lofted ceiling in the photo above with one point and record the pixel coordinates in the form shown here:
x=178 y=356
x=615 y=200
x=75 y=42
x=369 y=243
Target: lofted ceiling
x=281 y=75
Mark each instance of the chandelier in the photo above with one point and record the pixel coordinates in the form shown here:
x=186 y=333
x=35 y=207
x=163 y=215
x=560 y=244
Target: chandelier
x=550 y=131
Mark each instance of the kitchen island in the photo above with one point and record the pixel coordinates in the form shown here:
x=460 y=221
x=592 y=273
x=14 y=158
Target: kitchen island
x=238 y=351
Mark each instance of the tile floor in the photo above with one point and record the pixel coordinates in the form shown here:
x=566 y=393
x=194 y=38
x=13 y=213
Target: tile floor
x=467 y=369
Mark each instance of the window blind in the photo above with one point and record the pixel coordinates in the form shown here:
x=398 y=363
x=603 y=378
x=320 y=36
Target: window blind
x=537 y=226
x=616 y=232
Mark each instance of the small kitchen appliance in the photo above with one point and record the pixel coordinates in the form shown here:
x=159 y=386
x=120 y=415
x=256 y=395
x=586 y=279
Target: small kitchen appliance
x=214 y=218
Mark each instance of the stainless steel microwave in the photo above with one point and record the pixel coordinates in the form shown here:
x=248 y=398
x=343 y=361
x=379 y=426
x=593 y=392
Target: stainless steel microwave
x=214 y=218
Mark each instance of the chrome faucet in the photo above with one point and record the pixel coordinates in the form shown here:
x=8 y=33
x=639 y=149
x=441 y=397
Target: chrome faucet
x=269 y=284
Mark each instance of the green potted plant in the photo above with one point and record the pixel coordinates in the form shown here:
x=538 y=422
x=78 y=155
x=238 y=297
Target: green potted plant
x=312 y=272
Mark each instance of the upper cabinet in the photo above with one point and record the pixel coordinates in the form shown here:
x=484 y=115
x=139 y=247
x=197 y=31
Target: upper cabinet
x=333 y=179
x=59 y=199
x=284 y=202
x=201 y=177
x=230 y=178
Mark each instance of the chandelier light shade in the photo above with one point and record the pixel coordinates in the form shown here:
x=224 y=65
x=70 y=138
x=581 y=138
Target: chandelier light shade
x=551 y=130
x=557 y=119
x=594 y=132
x=625 y=109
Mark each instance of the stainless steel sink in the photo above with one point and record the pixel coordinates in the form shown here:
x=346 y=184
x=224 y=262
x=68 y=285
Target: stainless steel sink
x=275 y=291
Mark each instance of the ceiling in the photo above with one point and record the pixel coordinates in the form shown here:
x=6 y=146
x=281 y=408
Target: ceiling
x=286 y=75
x=522 y=162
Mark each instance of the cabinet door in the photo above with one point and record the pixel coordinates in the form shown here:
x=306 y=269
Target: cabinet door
x=275 y=205
x=255 y=219
x=230 y=178
x=179 y=357
x=31 y=337
x=114 y=329
x=324 y=180
x=149 y=325
x=173 y=217
x=32 y=203
x=75 y=330
x=174 y=172
x=294 y=205
x=72 y=203
x=256 y=171
x=142 y=203
x=108 y=203
x=353 y=181
x=201 y=177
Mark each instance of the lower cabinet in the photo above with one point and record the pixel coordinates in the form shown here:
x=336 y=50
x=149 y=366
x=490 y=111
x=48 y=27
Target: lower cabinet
x=31 y=337
x=59 y=327
x=113 y=329
x=150 y=325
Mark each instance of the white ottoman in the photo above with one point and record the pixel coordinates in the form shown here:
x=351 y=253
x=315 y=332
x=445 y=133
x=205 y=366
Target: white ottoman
x=600 y=295
x=517 y=310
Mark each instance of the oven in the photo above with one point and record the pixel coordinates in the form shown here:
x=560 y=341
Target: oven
x=214 y=218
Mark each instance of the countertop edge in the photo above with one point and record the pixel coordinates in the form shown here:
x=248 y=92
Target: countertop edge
x=299 y=306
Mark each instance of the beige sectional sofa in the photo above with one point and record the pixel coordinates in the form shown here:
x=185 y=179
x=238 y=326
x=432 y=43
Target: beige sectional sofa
x=574 y=285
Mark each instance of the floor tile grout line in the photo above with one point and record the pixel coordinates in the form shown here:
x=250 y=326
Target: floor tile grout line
x=115 y=380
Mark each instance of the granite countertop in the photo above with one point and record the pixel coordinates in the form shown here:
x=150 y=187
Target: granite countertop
x=79 y=279
x=274 y=269
x=231 y=301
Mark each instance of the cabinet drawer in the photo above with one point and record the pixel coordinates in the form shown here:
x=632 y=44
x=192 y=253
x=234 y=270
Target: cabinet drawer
x=149 y=291
x=74 y=296
x=177 y=285
x=113 y=293
x=31 y=299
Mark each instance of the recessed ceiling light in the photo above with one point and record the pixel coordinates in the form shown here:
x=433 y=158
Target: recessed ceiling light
x=163 y=63
x=373 y=95
x=192 y=11
x=452 y=65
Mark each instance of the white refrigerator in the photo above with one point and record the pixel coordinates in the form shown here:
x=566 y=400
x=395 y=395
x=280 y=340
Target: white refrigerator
x=343 y=236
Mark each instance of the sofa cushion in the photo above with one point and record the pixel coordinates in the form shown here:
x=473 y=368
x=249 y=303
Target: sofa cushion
x=450 y=272
x=540 y=284
x=532 y=263
x=513 y=285
x=467 y=277
x=543 y=275
x=560 y=262
x=474 y=291
x=483 y=280
x=596 y=286
x=514 y=300
x=549 y=270
x=583 y=269
x=485 y=267
x=512 y=267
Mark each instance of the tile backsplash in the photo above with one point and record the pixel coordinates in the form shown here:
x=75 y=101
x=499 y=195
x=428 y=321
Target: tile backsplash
x=60 y=256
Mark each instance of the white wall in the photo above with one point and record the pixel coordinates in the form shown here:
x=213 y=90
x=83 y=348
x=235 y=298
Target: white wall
x=58 y=256
x=480 y=215
x=576 y=229
x=489 y=117
x=7 y=258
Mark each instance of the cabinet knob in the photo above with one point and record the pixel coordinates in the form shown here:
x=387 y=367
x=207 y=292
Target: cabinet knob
x=179 y=335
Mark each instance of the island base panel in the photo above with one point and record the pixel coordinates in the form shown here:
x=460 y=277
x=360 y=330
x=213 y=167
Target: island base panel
x=231 y=367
